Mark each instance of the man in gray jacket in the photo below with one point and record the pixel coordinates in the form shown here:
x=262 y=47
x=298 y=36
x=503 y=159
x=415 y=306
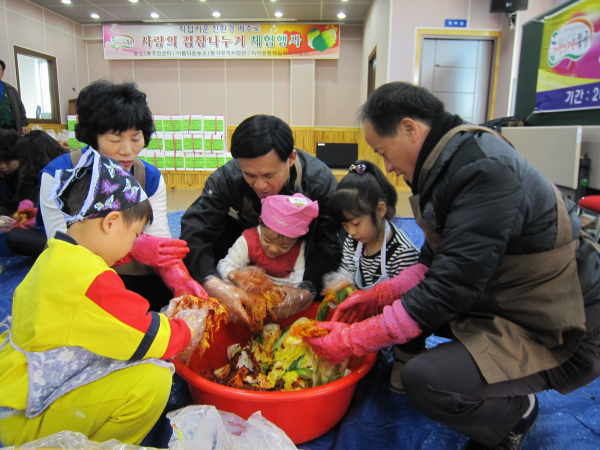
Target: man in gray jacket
x=12 y=111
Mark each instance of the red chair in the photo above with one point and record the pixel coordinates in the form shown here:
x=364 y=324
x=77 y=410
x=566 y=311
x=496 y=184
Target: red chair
x=591 y=204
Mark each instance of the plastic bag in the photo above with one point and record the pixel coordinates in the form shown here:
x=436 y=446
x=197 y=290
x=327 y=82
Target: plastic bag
x=252 y=279
x=203 y=427
x=334 y=281
x=196 y=320
x=202 y=316
x=6 y=223
x=194 y=428
x=296 y=299
x=336 y=287
x=69 y=440
x=264 y=296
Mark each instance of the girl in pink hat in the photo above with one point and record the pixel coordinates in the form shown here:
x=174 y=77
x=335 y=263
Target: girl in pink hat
x=277 y=246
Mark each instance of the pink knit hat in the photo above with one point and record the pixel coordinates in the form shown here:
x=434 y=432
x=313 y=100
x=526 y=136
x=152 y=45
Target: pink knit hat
x=289 y=216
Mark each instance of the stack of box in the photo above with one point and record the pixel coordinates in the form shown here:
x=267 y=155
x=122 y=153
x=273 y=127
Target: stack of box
x=188 y=143
x=74 y=144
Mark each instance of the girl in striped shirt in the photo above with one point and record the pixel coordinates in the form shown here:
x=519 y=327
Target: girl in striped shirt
x=375 y=250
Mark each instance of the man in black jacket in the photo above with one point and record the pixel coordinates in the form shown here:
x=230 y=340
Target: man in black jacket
x=12 y=111
x=509 y=276
x=265 y=163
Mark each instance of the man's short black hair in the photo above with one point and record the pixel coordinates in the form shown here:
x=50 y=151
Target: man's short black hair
x=258 y=135
x=389 y=104
x=104 y=106
x=75 y=196
x=8 y=144
x=3 y=65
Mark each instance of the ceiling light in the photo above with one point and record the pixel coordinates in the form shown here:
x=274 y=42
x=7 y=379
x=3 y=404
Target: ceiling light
x=94 y=16
x=278 y=14
x=66 y=1
x=216 y=14
x=154 y=16
x=342 y=15
x=133 y=1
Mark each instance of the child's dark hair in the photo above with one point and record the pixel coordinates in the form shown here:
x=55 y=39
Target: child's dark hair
x=76 y=194
x=34 y=151
x=359 y=194
x=8 y=142
x=104 y=106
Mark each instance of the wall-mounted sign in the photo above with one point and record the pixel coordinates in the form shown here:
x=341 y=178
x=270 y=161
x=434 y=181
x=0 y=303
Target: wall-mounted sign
x=456 y=23
x=222 y=41
x=569 y=71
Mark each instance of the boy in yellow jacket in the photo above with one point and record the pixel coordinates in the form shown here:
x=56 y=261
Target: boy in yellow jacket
x=83 y=353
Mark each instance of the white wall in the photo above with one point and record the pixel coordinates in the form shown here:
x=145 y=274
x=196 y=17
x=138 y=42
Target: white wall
x=24 y=24
x=408 y=15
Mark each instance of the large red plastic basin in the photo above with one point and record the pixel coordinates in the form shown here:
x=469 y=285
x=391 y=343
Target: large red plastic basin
x=303 y=415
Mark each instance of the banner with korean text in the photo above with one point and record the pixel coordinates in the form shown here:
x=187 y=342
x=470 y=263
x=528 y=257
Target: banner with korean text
x=569 y=71
x=222 y=41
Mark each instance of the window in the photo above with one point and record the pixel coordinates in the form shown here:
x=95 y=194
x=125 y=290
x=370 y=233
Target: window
x=38 y=85
x=372 y=72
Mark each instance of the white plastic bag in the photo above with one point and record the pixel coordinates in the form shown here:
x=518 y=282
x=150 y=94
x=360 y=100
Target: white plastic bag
x=69 y=440
x=199 y=427
x=203 y=427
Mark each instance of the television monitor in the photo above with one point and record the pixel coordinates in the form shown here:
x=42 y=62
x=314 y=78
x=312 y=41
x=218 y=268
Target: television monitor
x=508 y=5
x=337 y=156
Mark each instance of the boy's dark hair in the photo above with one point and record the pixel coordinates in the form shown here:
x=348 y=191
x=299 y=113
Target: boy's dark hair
x=389 y=104
x=76 y=194
x=3 y=65
x=8 y=143
x=34 y=151
x=359 y=194
x=258 y=135
x=104 y=106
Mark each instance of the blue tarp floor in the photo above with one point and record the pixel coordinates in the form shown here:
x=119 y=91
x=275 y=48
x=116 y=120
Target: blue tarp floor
x=377 y=418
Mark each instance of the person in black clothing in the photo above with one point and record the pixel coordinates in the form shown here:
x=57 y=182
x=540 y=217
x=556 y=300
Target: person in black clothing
x=12 y=111
x=265 y=163
x=11 y=191
x=34 y=151
x=509 y=276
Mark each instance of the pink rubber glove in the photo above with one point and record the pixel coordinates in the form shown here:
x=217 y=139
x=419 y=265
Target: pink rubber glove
x=364 y=304
x=234 y=298
x=25 y=215
x=394 y=326
x=157 y=251
x=178 y=279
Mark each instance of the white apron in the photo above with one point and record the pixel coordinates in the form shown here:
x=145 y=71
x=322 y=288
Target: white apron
x=358 y=253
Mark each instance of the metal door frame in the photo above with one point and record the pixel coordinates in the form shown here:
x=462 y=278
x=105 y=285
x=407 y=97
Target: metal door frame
x=479 y=35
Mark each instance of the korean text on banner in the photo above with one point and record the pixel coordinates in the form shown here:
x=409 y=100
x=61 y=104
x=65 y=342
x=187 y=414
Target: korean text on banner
x=569 y=71
x=222 y=41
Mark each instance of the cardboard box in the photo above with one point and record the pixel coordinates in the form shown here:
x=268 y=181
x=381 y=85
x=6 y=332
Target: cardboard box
x=71 y=121
x=158 y=123
x=172 y=124
x=156 y=142
x=193 y=142
x=156 y=158
x=214 y=162
x=174 y=161
x=214 y=143
x=173 y=142
x=214 y=124
x=193 y=123
x=194 y=161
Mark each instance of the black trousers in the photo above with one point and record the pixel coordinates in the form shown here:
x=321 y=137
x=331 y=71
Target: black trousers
x=26 y=242
x=445 y=384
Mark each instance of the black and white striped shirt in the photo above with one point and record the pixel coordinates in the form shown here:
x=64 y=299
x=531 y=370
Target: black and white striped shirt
x=400 y=254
